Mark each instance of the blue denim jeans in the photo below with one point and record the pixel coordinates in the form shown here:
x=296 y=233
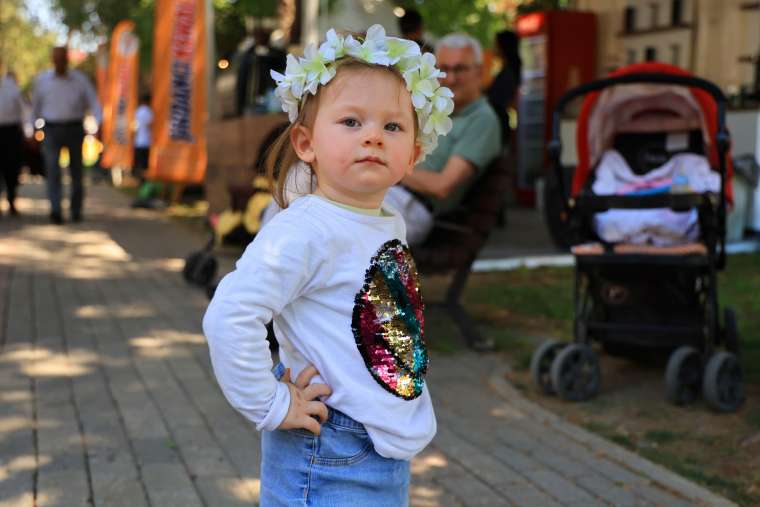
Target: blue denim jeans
x=337 y=468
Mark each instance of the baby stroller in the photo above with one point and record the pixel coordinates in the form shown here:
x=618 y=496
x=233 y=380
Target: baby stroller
x=637 y=296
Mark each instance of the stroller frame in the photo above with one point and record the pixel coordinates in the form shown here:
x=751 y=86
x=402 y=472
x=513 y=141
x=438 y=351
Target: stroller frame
x=685 y=284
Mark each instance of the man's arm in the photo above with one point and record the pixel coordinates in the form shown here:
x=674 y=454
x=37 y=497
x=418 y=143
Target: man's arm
x=36 y=101
x=92 y=100
x=440 y=184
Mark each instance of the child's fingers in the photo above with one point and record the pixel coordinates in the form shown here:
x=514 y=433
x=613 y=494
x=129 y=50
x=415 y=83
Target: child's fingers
x=313 y=391
x=311 y=424
x=305 y=376
x=318 y=409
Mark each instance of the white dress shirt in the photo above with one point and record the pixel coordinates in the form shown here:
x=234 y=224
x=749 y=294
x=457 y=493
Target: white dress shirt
x=11 y=102
x=64 y=98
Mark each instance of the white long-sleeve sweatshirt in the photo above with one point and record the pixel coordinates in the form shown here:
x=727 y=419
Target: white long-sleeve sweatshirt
x=343 y=291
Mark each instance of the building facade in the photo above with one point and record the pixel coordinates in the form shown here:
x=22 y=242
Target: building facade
x=716 y=39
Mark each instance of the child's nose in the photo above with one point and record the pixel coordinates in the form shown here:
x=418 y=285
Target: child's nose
x=373 y=138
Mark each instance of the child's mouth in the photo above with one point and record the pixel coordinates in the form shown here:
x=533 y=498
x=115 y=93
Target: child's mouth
x=371 y=160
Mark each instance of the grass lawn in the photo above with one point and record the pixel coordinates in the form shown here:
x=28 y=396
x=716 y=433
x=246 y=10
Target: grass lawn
x=720 y=451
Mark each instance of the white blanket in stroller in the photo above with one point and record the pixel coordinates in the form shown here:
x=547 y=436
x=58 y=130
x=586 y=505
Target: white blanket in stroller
x=684 y=172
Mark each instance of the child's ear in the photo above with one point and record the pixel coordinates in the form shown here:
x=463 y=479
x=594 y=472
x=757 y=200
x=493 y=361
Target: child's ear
x=415 y=156
x=300 y=139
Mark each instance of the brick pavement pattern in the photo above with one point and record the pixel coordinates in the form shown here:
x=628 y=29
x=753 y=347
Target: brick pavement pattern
x=107 y=397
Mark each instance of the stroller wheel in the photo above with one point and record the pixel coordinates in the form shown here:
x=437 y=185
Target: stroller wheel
x=541 y=365
x=730 y=331
x=575 y=373
x=683 y=375
x=723 y=383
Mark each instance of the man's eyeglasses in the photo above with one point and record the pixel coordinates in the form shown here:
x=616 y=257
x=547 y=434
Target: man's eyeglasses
x=455 y=69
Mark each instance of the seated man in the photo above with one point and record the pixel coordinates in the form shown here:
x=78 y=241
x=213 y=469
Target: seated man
x=440 y=182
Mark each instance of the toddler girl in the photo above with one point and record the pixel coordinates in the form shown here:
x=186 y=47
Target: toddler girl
x=333 y=272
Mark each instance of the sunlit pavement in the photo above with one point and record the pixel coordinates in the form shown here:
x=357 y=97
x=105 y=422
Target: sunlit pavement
x=107 y=396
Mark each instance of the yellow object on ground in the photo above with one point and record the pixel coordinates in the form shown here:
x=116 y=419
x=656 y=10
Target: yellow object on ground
x=256 y=206
x=228 y=220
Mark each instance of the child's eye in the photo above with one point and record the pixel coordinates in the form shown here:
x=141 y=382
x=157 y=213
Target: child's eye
x=393 y=127
x=350 y=122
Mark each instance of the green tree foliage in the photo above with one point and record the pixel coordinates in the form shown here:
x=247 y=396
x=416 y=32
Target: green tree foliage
x=97 y=18
x=476 y=17
x=24 y=46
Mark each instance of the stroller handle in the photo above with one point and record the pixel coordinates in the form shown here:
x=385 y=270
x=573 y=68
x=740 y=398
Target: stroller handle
x=722 y=137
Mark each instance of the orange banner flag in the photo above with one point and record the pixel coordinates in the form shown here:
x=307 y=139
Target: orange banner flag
x=121 y=97
x=178 y=153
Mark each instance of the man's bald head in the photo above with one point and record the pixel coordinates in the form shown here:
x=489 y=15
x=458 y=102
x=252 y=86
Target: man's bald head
x=60 y=57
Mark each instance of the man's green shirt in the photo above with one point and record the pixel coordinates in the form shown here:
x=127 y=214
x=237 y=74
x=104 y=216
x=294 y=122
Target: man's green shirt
x=476 y=137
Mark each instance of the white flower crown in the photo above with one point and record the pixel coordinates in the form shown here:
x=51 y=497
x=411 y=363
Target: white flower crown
x=432 y=102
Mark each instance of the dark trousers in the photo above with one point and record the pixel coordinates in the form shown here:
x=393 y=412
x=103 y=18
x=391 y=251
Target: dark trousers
x=11 y=157
x=58 y=135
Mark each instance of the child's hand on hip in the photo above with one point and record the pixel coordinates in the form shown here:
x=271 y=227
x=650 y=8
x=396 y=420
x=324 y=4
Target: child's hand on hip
x=303 y=405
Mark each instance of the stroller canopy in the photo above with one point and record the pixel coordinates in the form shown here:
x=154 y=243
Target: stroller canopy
x=644 y=108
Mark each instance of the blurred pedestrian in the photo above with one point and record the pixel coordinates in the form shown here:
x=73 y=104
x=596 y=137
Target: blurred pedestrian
x=61 y=98
x=11 y=137
x=503 y=90
x=412 y=28
x=144 y=121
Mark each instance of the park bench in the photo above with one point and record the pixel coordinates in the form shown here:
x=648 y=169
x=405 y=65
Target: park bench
x=456 y=241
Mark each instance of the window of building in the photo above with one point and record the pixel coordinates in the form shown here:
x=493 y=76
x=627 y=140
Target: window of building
x=629 y=20
x=676 y=12
x=675 y=54
x=650 y=54
x=654 y=15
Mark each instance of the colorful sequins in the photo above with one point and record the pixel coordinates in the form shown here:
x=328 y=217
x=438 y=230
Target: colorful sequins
x=388 y=322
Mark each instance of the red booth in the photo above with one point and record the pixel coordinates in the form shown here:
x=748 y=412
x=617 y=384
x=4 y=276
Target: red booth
x=558 y=52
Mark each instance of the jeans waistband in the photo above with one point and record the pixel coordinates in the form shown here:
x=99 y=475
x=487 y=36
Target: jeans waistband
x=334 y=416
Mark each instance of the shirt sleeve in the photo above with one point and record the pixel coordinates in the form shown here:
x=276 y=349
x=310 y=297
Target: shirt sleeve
x=481 y=143
x=274 y=270
x=93 y=104
x=36 y=101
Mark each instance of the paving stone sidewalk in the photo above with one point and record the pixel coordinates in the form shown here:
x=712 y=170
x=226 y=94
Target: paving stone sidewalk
x=107 y=397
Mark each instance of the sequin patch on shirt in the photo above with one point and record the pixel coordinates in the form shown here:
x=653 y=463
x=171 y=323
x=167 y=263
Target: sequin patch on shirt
x=388 y=322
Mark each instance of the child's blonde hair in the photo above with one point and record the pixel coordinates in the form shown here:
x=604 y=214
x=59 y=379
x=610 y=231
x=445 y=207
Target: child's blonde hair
x=281 y=157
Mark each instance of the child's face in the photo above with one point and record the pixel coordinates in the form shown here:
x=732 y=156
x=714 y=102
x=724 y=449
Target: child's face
x=362 y=141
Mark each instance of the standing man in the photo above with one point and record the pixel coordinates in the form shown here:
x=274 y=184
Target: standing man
x=61 y=98
x=440 y=182
x=11 y=137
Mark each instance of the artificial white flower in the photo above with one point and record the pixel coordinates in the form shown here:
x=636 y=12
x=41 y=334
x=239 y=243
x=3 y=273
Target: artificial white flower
x=317 y=71
x=441 y=100
x=420 y=87
x=372 y=50
x=401 y=49
x=294 y=78
x=334 y=46
x=289 y=101
x=438 y=122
